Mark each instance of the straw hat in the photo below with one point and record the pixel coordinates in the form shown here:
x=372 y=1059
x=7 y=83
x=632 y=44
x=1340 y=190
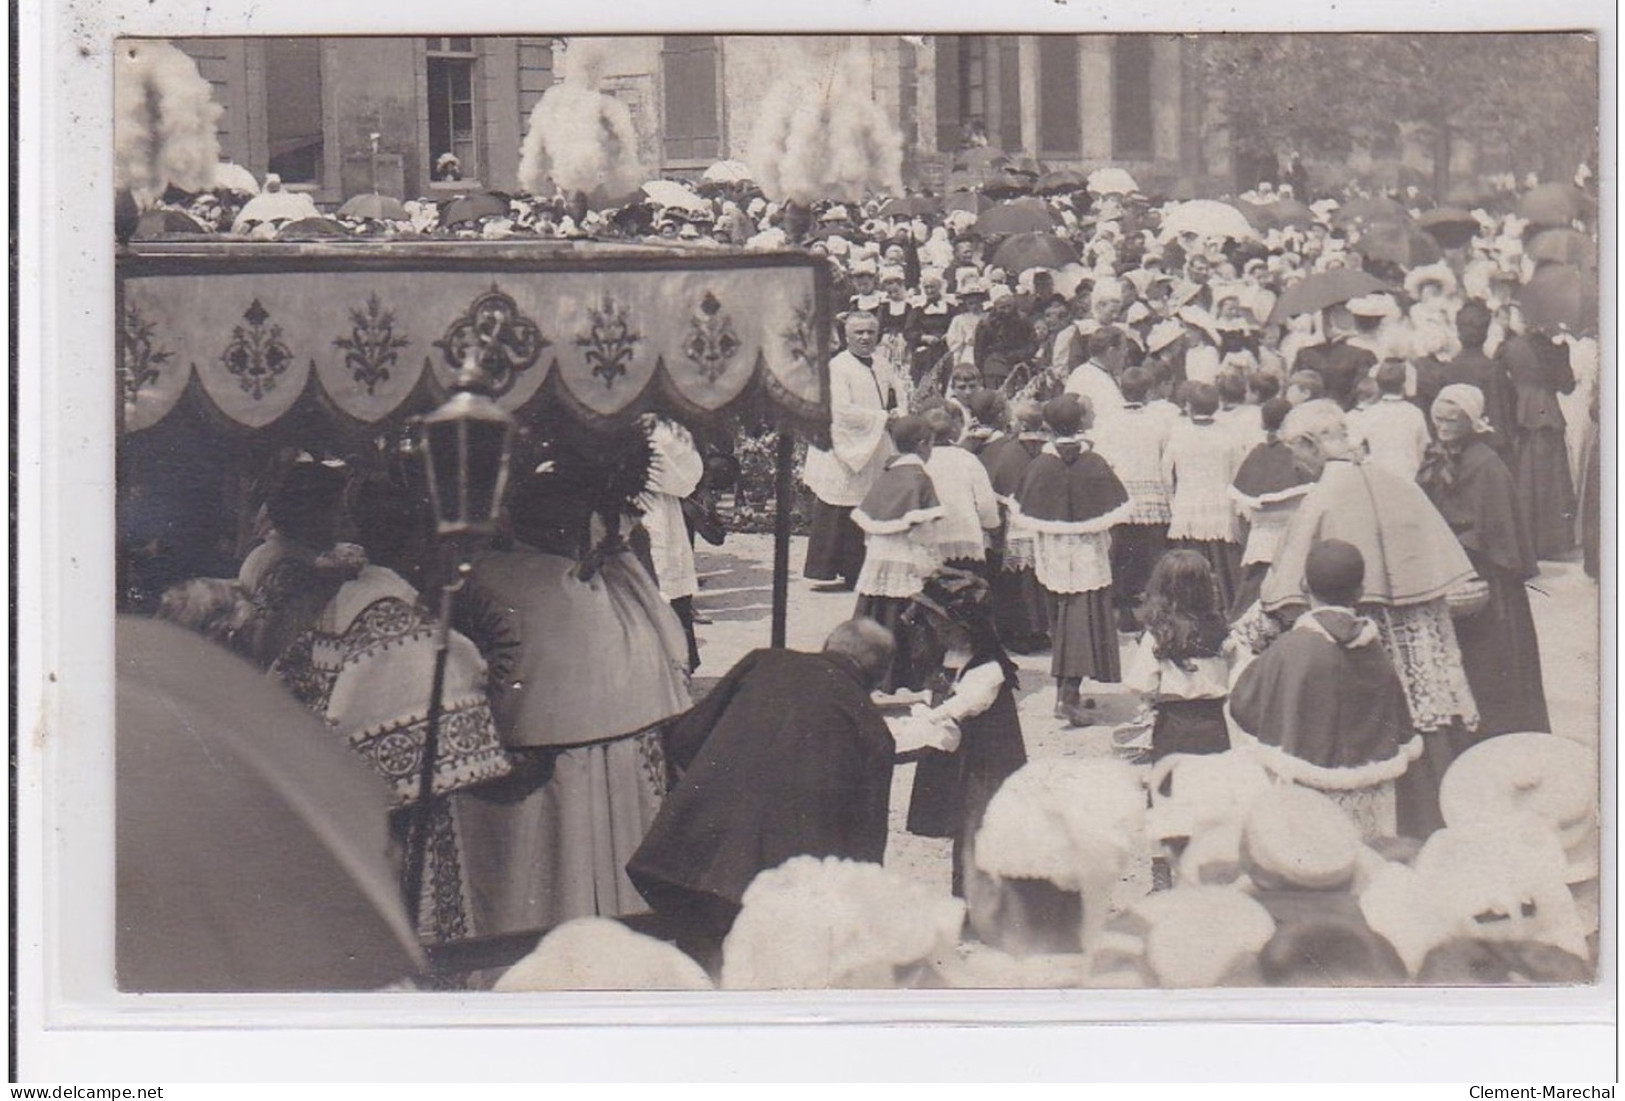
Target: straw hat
x=1298 y=837
x=596 y=953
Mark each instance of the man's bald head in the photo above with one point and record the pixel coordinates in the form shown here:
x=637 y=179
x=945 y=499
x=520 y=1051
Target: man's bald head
x=865 y=642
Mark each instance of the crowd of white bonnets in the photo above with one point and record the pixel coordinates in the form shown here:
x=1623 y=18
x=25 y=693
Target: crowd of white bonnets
x=1272 y=887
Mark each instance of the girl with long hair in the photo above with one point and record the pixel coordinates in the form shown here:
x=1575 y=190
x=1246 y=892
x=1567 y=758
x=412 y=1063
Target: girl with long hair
x=1181 y=663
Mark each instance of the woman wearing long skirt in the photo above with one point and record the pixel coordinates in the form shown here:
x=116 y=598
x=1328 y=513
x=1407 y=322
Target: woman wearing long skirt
x=1070 y=500
x=1540 y=462
x=587 y=664
x=1472 y=489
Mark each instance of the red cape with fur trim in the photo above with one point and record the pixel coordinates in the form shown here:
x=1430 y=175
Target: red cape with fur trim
x=901 y=498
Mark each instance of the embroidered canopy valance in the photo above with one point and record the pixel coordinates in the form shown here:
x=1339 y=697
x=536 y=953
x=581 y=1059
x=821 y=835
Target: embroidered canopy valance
x=372 y=332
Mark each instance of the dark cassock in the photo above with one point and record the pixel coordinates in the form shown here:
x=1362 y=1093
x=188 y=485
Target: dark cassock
x=1341 y=366
x=786 y=756
x=1020 y=605
x=1070 y=499
x=1473 y=490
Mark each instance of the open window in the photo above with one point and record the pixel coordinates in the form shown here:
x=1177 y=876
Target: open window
x=452 y=115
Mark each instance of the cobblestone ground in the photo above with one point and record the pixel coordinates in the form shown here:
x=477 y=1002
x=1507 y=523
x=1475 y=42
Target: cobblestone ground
x=737 y=597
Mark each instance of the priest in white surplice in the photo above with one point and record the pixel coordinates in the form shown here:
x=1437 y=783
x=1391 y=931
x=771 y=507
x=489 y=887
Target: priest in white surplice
x=866 y=391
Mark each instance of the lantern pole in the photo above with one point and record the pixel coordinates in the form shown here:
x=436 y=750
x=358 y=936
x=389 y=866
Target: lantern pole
x=463 y=513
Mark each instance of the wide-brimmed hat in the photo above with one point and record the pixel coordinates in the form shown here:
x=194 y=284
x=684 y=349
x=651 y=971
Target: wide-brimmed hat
x=1374 y=305
x=954 y=594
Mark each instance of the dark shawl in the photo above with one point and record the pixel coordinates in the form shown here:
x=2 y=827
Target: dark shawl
x=1329 y=700
x=1007 y=465
x=1074 y=487
x=1473 y=492
x=1270 y=475
x=786 y=756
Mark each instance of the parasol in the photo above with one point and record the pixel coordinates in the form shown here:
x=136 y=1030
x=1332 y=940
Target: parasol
x=1290 y=213
x=274 y=207
x=251 y=843
x=1559 y=296
x=1207 y=218
x=1034 y=250
x=1016 y=216
x=669 y=194
x=1060 y=181
x=374 y=207
x=1401 y=243
x=1451 y=226
x=1319 y=290
x=311 y=229
x=1563 y=246
x=1111 y=181
x=907 y=206
x=158 y=223
x=1553 y=204
x=973 y=202
x=727 y=172
x=471 y=208
x=1008 y=182
x=234 y=177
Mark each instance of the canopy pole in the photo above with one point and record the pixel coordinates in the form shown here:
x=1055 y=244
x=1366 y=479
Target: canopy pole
x=783 y=501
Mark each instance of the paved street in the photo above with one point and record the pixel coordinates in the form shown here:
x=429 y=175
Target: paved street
x=737 y=597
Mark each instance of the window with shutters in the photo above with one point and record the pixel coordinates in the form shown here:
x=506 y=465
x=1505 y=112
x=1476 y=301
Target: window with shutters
x=693 y=98
x=293 y=109
x=1131 y=97
x=452 y=104
x=1060 y=126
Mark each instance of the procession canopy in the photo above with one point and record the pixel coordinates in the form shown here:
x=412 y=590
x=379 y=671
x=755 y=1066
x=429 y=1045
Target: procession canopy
x=267 y=338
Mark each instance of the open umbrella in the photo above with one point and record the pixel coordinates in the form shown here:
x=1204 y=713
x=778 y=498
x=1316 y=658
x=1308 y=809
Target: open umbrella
x=669 y=193
x=973 y=178
x=907 y=206
x=1451 y=226
x=1553 y=204
x=234 y=177
x=1402 y=243
x=1016 y=216
x=1111 y=181
x=1322 y=289
x=1034 y=250
x=1369 y=210
x=1290 y=213
x=1059 y=181
x=471 y=208
x=274 y=207
x=979 y=157
x=1258 y=215
x=251 y=844
x=1008 y=183
x=311 y=229
x=1563 y=246
x=973 y=202
x=727 y=172
x=373 y=206
x=159 y=223
x=1207 y=218
x=1023 y=166
x=1559 y=296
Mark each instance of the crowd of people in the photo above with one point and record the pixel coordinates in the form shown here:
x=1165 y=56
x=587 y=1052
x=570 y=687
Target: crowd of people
x=1282 y=480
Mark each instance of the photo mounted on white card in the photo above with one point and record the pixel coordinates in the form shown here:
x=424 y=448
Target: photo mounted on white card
x=886 y=522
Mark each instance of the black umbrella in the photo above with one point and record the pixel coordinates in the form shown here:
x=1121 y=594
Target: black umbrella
x=1017 y=216
x=907 y=206
x=471 y=208
x=1402 y=243
x=1322 y=289
x=1553 y=204
x=1033 y=250
x=1451 y=226
x=159 y=223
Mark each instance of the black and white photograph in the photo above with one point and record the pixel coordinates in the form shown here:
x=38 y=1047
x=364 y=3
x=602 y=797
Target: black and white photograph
x=764 y=512
x=992 y=512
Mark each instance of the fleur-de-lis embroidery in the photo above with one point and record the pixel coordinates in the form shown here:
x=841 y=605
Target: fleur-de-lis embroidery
x=799 y=337
x=610 y=341
x=372 y=347
x=711 y=341
x=508 y=342
x=140 y=361
x=256 y=354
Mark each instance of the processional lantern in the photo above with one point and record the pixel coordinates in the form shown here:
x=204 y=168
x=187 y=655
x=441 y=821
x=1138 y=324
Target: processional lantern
x=467 y=449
